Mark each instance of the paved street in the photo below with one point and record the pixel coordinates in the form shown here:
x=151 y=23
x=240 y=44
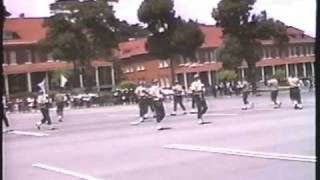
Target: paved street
x=101 y=143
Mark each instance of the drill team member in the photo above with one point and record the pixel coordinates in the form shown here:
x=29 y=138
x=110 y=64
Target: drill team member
x=198 y=90
x=273 y=83
x=4 y=116
x=178 y=98
x=141 y=93
x=157 y=98
x=43 y=102
x=59 y=99
x=245 y=92
x=295 y=96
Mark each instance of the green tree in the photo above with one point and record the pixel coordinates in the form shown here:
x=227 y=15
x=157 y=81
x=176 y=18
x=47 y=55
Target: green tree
x=127 y=84
x=280 y=75
x=81 y=31
x=170 y=35
x=227 y=75
x=243 y=32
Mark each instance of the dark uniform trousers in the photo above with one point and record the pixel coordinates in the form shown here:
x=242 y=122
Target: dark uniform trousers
x=245 y=97
x=178 y=100
x=5 y=119
x=201 y=105
x=274 y=95
x=143 y=107
x=60 y=107
x=295 y=94
x=159 y=109
x=193 y=103
x=149 y=103
x=45 y=113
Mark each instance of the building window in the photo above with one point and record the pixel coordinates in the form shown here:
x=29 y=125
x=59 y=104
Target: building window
x=163 y=64
x=213 y=55
x=312 y=50
x=140 y=68
x=50 y=57
x=293 y=51
x=298 y=51
x=29 y=56
x=5 y=59
x=13 y=57
x=181 y=60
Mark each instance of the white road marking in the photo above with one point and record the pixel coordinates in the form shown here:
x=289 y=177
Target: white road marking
x=220 y=114
x=66 y=172
x=28 y=133
x=290 y=157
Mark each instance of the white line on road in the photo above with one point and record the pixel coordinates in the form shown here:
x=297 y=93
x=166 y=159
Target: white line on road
x=220 y=114
x=66 y=172
x=290 y=157
x=28 y=133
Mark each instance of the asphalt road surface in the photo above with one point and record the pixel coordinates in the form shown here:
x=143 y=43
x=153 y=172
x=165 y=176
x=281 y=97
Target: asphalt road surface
x=100 y=144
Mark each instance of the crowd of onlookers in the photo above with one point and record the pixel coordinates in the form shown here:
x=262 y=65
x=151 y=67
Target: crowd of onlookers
x=30 y=104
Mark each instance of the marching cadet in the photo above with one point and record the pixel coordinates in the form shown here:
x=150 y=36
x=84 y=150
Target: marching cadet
x=198 y=90
x=273 y=83
x=43 y=102
x=157 y=99
x=245 y=92
x=149 y=101
x=178 y=98
x=294 y=91
x=4 y=116
x=59 y=100
x=141 y=93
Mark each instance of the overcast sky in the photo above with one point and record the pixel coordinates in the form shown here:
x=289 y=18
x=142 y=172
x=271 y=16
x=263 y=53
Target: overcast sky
x=297 y=13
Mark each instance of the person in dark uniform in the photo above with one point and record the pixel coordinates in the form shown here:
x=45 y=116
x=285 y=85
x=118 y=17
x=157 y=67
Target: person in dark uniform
x=273 y=83
x=141 y=93
x=178 y=98
x=157 y=98
x=59 y=100
x=43 y=103
x=294 y=90
x=245 y=93
x=198 y=90
x=4 y=116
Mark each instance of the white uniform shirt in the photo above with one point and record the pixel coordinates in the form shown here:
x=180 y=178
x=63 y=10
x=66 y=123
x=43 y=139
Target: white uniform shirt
x=156 y=92
x=197 y=87
x=273 y=83
x=293 y=82
x=178 y=90
x=140 y=91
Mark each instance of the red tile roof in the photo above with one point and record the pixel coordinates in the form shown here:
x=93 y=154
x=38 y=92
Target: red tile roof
x=136 y=47
x=282 y=61
x=37 y=67
x=132 y=48
x=213 y=36
x=29 y=30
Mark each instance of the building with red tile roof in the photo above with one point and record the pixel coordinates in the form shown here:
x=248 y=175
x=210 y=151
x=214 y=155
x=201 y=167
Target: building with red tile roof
x=138 y=65
x=23 y=61
x=25 y=66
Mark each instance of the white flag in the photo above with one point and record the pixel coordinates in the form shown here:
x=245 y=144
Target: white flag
x=42 y=86
x=63 y=81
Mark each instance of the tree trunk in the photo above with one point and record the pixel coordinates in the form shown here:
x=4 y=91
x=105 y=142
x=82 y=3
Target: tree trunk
x=252 y=76
x=75 y=74
x=173 y=79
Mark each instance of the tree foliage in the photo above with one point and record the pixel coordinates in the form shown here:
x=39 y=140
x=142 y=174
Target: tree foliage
x=227 y=75
x=280 y=75
x=243 y=32
x=127 y=84
x=170 y=35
